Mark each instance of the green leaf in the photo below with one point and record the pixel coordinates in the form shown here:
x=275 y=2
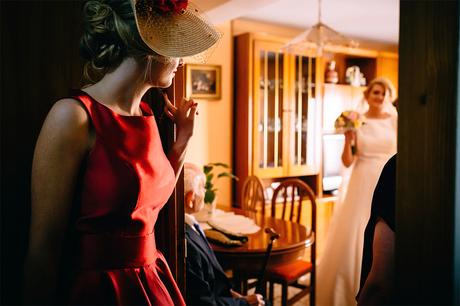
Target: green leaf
x=209 y=196
x=223 y=165
x=210 y=193
x=226 y=174
x=207 y=169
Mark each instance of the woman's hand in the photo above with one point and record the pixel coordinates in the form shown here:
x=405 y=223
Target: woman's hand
x=350 y=137
x=349 y=148
x=183 y=116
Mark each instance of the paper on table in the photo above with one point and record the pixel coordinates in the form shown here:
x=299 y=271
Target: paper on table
x=205 y=226
x=234 y=223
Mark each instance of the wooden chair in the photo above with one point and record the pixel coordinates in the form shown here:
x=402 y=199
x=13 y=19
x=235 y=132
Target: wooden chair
x=294 y=192
x=252 y=194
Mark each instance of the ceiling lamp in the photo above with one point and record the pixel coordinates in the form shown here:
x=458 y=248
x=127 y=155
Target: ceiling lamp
x=317 y=37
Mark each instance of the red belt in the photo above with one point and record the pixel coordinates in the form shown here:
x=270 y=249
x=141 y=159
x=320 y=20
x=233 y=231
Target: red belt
x=114 y=252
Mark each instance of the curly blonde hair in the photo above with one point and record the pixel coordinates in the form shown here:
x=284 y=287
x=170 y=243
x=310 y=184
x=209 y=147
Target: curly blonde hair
x=385 y=83
x=110 y=35
x=390 y=95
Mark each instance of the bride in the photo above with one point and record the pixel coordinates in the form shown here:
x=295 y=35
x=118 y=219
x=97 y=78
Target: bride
x=340 y=265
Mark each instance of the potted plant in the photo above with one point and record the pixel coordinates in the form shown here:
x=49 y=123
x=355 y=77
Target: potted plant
x=210 y=194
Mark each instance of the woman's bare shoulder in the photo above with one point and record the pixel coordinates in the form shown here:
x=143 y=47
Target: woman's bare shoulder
x=67 y=121
x=68 y=109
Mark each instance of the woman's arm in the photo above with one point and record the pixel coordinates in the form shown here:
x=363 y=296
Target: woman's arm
x=184 y=117
x=176 y=155
x=379 y=286
x=60 y=148
x=347 y=155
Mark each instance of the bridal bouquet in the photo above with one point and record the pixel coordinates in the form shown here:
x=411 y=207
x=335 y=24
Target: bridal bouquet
x=348 y=121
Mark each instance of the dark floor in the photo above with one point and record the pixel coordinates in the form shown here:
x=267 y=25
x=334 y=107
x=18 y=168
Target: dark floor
x=305 y=301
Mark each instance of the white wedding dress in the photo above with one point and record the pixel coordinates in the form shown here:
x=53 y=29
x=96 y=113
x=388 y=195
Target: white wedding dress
x=339 y=267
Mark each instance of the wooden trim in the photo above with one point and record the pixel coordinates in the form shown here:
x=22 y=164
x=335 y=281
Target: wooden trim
x=256 y=108
x=180 y=273
x=243 y=111
x=298 y=114
x=266 y=82
x=256 y=170
x=351 y=51
x=287 y=109
x=264 y=37
x=388 y=55
x=170 y=223
x=277 y=101
x=428 y=107
x=319 y=93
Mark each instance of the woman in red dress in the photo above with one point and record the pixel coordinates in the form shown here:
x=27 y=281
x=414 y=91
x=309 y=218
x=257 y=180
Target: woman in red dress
x=100 y=175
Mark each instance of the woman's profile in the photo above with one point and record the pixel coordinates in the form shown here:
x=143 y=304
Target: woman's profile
x=340 y=264
x=100 y=175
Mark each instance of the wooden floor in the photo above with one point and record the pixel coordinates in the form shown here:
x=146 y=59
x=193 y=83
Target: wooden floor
x=305 y=301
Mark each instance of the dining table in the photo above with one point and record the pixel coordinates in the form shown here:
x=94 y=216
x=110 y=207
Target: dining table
x=246 y=261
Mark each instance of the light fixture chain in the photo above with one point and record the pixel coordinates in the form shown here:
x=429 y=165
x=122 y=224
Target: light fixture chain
x=319 y=11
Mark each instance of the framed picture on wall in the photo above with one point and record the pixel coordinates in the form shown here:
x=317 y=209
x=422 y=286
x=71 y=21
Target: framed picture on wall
x=203 y=81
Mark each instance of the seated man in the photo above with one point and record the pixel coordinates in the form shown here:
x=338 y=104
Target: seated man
x=206 y=281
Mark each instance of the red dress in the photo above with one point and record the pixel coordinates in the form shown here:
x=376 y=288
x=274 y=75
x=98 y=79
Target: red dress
x=127 y=180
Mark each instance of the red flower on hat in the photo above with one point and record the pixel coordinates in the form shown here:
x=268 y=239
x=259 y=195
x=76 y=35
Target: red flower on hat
x=167 y=6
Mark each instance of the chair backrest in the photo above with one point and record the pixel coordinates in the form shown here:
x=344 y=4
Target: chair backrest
x=292 y=193
x=252 y=193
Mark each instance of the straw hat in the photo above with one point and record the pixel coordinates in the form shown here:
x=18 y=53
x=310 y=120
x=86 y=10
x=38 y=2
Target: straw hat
x=174 y=28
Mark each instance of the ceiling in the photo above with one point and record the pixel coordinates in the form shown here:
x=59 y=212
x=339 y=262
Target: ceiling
x=374 y=20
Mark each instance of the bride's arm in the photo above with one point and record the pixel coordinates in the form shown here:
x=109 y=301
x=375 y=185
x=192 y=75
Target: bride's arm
x=347 y=155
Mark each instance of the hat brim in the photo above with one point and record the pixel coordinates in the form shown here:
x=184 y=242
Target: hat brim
x=182 y=34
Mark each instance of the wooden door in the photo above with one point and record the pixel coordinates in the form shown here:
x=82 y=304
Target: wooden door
x=428 y=203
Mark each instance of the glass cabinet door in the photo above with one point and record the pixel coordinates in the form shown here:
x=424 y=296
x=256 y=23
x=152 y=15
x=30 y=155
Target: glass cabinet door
x=304 y=119
x=269 y=95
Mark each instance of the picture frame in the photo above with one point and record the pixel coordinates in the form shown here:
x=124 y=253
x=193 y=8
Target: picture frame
x=203 y=81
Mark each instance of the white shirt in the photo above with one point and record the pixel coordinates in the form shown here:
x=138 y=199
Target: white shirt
x=191 y=221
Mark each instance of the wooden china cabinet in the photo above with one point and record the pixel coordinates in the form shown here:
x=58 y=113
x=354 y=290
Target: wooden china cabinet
x=277 y=112
x=284 y=111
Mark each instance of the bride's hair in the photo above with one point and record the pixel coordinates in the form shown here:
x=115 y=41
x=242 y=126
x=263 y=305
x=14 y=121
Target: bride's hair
x=390 y=96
